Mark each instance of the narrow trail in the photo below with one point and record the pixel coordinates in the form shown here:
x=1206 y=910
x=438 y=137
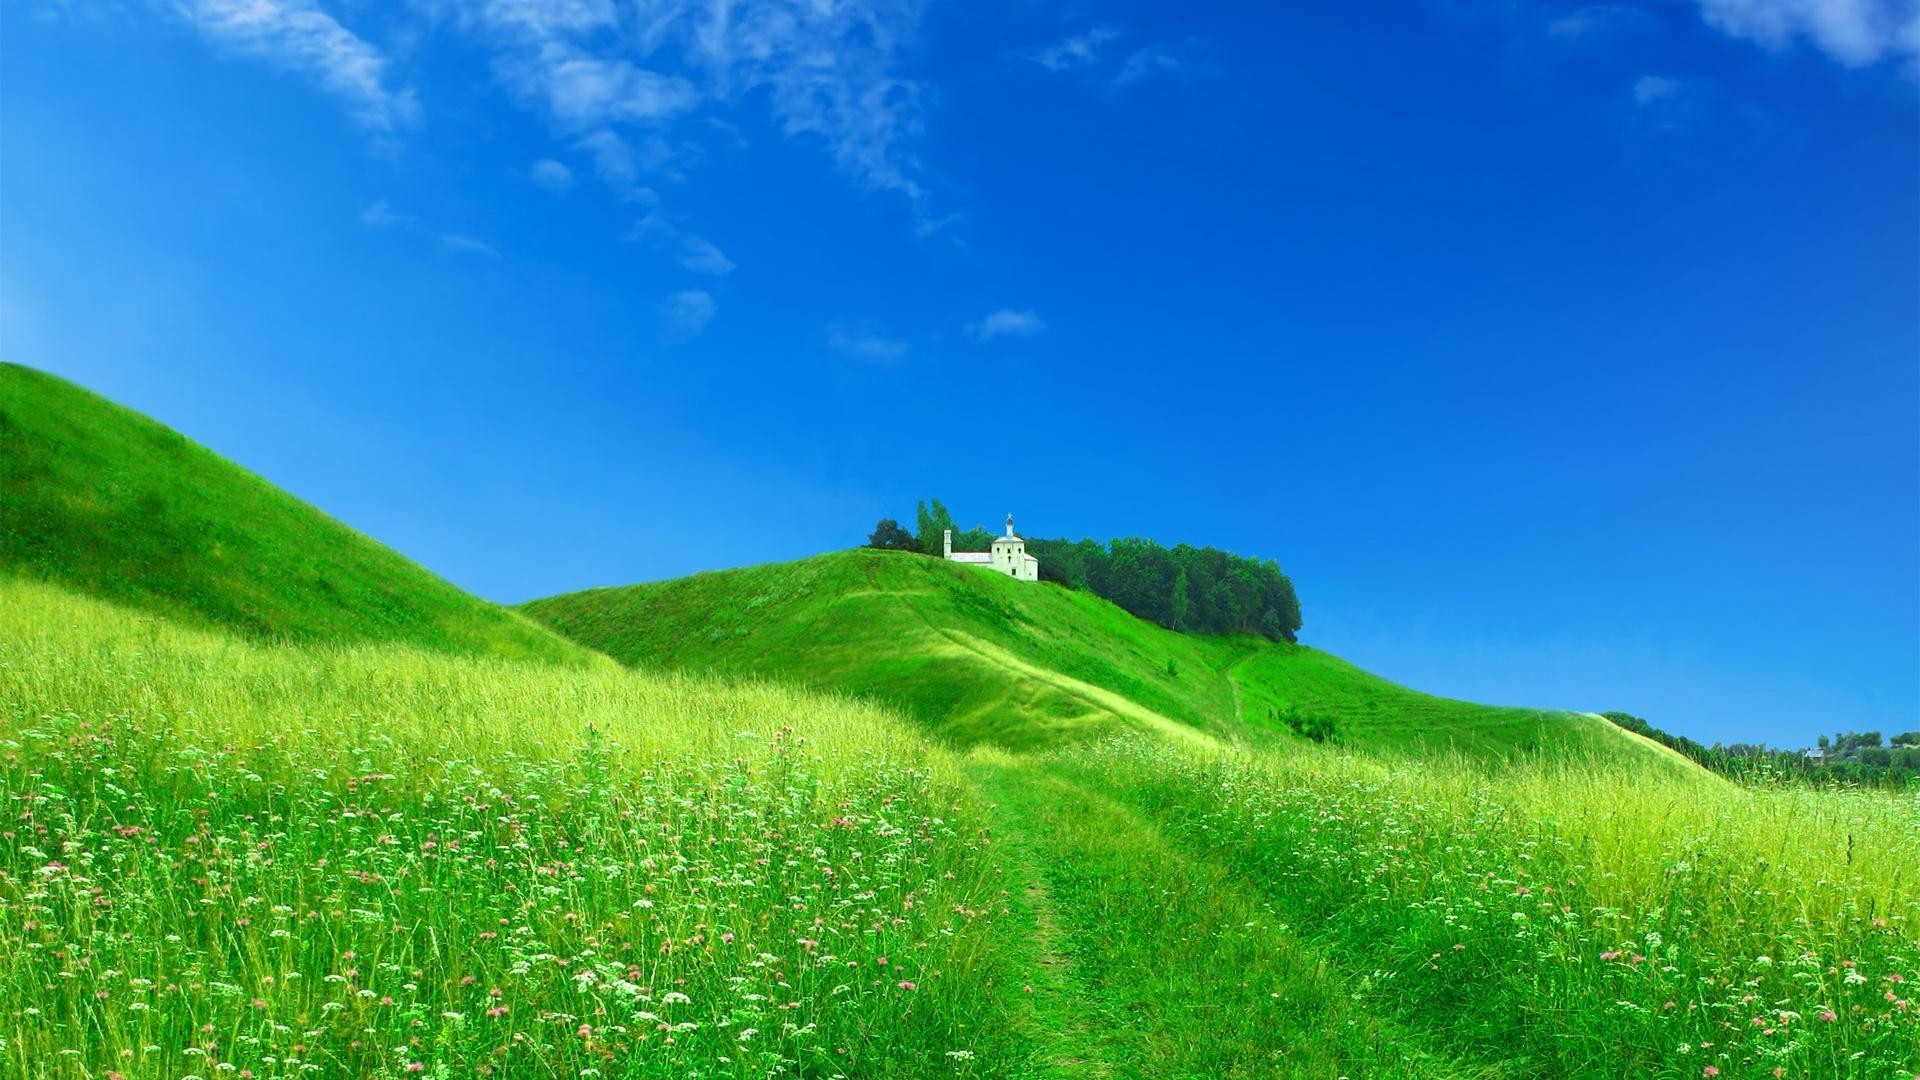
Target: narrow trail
x=1063 y=1010
x=1148 y=961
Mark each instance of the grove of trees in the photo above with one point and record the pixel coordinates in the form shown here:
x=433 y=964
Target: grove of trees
x=1199 y=590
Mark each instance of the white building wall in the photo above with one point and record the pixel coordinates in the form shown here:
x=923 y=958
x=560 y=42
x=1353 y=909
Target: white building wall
x=1009 y=556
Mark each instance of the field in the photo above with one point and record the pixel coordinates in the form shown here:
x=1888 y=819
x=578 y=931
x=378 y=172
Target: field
x=864 y=815
x=360 y=861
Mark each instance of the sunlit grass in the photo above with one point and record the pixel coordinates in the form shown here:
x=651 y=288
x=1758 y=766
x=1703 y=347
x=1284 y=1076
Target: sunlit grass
x=1575 y=917
x=226 y=859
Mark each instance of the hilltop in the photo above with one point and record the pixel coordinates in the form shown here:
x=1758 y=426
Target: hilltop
x=107 y=502
x=980 y=658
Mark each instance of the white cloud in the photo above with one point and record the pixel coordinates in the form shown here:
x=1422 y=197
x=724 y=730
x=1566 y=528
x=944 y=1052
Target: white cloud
x=619 y=167
x=1597 y=23
x=863 y=345
x=297 y=35
x=826 y=66
x=688 y=312
x=1653 y=89
x=700 y=256
x=1006 y=322
x=1075 y=50
x=382 y=215
x=552 y=175
x=462 y=244
x=1855 y=32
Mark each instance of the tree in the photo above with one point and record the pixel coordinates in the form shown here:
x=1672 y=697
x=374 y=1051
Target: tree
x=1177 y=607
x=933 y=525
x=889 y=536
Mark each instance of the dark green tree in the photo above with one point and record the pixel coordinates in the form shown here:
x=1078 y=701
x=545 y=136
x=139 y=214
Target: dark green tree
x=889 y=536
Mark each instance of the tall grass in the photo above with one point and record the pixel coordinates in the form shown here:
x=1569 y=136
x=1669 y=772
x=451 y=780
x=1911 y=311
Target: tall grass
x=225 y=859
x=1576 y=918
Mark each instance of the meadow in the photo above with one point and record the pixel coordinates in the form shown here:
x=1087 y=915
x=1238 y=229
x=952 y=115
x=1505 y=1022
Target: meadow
x=280 y=803
x=229 y=858
x=1572 y=918
x=222 y=858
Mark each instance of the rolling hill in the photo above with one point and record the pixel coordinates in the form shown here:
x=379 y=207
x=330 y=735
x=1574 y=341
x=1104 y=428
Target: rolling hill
x=980 y=658
x=260 y=829
x=109 y=503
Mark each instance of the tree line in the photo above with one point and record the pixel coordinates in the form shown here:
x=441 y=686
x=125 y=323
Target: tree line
x=1853 y=757
x=1194 y=589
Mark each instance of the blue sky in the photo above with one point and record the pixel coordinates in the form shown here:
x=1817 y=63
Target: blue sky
x=1564 y=355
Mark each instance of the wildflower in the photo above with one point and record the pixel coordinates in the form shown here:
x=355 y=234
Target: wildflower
x=1710 y=1071
x=905 y=985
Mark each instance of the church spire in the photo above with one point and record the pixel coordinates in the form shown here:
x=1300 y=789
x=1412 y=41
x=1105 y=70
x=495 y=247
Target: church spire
x=1009 y=524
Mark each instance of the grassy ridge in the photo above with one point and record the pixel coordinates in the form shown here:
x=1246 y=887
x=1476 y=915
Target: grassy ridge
x=106 y=501
x=981 y=658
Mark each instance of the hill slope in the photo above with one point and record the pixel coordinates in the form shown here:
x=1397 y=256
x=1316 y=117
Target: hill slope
x=981 y=658
x=110 y=503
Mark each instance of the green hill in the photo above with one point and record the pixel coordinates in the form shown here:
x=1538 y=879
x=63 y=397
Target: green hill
x=980 y=658
x=110 y=503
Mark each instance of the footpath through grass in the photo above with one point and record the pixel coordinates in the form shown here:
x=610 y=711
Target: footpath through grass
x=1153 y=962
x=1570 y=919
x=220 y=857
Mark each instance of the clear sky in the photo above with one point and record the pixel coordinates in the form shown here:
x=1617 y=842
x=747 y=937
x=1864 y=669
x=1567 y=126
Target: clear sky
x=1564 y=355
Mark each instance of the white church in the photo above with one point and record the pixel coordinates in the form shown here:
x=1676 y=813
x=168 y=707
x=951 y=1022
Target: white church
x=1009 y=556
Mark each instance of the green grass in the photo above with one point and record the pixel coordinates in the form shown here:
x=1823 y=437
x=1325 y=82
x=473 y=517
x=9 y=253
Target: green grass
x=1567 y=917
x=103 y=500
x=259 y=827
x=221 y=856
x=980 y=658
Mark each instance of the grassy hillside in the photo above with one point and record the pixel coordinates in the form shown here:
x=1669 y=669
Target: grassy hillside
x=106 y=501
x=230 y=858
x=981 y=658
x=224 y=857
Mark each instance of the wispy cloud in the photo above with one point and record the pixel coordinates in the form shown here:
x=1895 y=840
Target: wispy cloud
x=382 y=215
x=687 y=312
x=1089 y=54
x=466 y=245
x=1857 y=33
x=1006 y=322
x=602 y=72
x=617 y=164
x=691 y=250
x=298 y=36
x=699 y=255
x=1654 y=89
x=1597 y=23
x=863 y=344
x=1075 y=50
x=552 y=175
